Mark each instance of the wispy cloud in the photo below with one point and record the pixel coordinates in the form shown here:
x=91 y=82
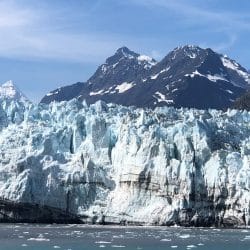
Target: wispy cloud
x=194 y=10
x=222 y=47
x=57 y=46
x=31 y=33
x=45 y=32
x=198 y=13
x=11 y=16
x=227 y=44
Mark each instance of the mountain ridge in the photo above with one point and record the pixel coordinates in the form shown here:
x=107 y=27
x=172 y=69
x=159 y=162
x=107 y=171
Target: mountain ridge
x=188 y=76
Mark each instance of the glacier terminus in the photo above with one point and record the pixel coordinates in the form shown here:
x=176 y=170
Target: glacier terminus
x=110 y=164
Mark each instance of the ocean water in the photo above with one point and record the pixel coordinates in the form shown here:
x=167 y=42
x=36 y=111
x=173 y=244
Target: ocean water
x=78 y=237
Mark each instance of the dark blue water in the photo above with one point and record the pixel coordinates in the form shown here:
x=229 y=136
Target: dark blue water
x=43 y=237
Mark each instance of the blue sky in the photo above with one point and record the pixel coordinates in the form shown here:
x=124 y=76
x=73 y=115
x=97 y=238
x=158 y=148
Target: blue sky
x=46 y=44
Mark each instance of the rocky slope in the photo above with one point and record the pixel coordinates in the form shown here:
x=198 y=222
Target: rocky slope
x=113 y=164
x=188 y=76
x=243 y=102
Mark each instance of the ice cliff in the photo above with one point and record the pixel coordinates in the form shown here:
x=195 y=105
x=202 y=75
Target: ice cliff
x=115 y=164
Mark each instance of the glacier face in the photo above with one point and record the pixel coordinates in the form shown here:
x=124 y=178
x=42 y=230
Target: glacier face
x=115 y=164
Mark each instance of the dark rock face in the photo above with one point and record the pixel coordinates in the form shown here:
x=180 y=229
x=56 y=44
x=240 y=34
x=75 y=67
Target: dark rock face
x=124 y=66
x=64 y=93
x=243 y=102
x=18 y=212
x=188 y=76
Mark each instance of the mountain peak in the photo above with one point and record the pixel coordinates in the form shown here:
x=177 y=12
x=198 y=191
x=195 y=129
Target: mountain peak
x=126 y=52
x=189 y=50
x=124 y=49
x=189 y=47
x=9 y=90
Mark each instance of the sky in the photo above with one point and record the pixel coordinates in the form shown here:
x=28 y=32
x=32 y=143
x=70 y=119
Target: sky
x=47 y=44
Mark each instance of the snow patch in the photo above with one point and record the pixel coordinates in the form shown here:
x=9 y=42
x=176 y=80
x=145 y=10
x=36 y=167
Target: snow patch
x=216 y=77
x=124 y=87
x=230 y=64
x=174 y=90
x=162 y=98
x=213 y=78
x=153 y=77
x=229 y=91
x=53 y=93
x=96 y=93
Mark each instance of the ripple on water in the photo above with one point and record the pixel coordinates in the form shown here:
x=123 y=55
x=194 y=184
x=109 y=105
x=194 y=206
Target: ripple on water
x=247 y=237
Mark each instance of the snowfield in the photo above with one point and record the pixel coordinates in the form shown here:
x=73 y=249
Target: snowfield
x=115 y=164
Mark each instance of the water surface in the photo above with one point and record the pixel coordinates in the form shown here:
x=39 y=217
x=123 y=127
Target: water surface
x=78 y=237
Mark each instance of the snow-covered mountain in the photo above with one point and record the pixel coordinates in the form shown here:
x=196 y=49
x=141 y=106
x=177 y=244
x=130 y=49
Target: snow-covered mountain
x=114 y=164
x=123 y=67
x=10 y=91
x=188 y=76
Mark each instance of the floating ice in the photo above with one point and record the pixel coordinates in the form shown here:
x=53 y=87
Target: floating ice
x=184 y=236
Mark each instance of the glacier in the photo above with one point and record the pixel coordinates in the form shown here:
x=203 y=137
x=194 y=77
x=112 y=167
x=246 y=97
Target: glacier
x=105 y=163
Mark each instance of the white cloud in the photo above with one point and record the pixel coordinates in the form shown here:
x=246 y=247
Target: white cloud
x=27 y=32
x=198 y=13
x=192 y=11
x=11 y=16
x=58 y=46
x=232 y=38
x=30 y=33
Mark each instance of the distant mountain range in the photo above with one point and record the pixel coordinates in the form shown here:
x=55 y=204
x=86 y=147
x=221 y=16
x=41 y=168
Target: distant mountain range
x=188 y=76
